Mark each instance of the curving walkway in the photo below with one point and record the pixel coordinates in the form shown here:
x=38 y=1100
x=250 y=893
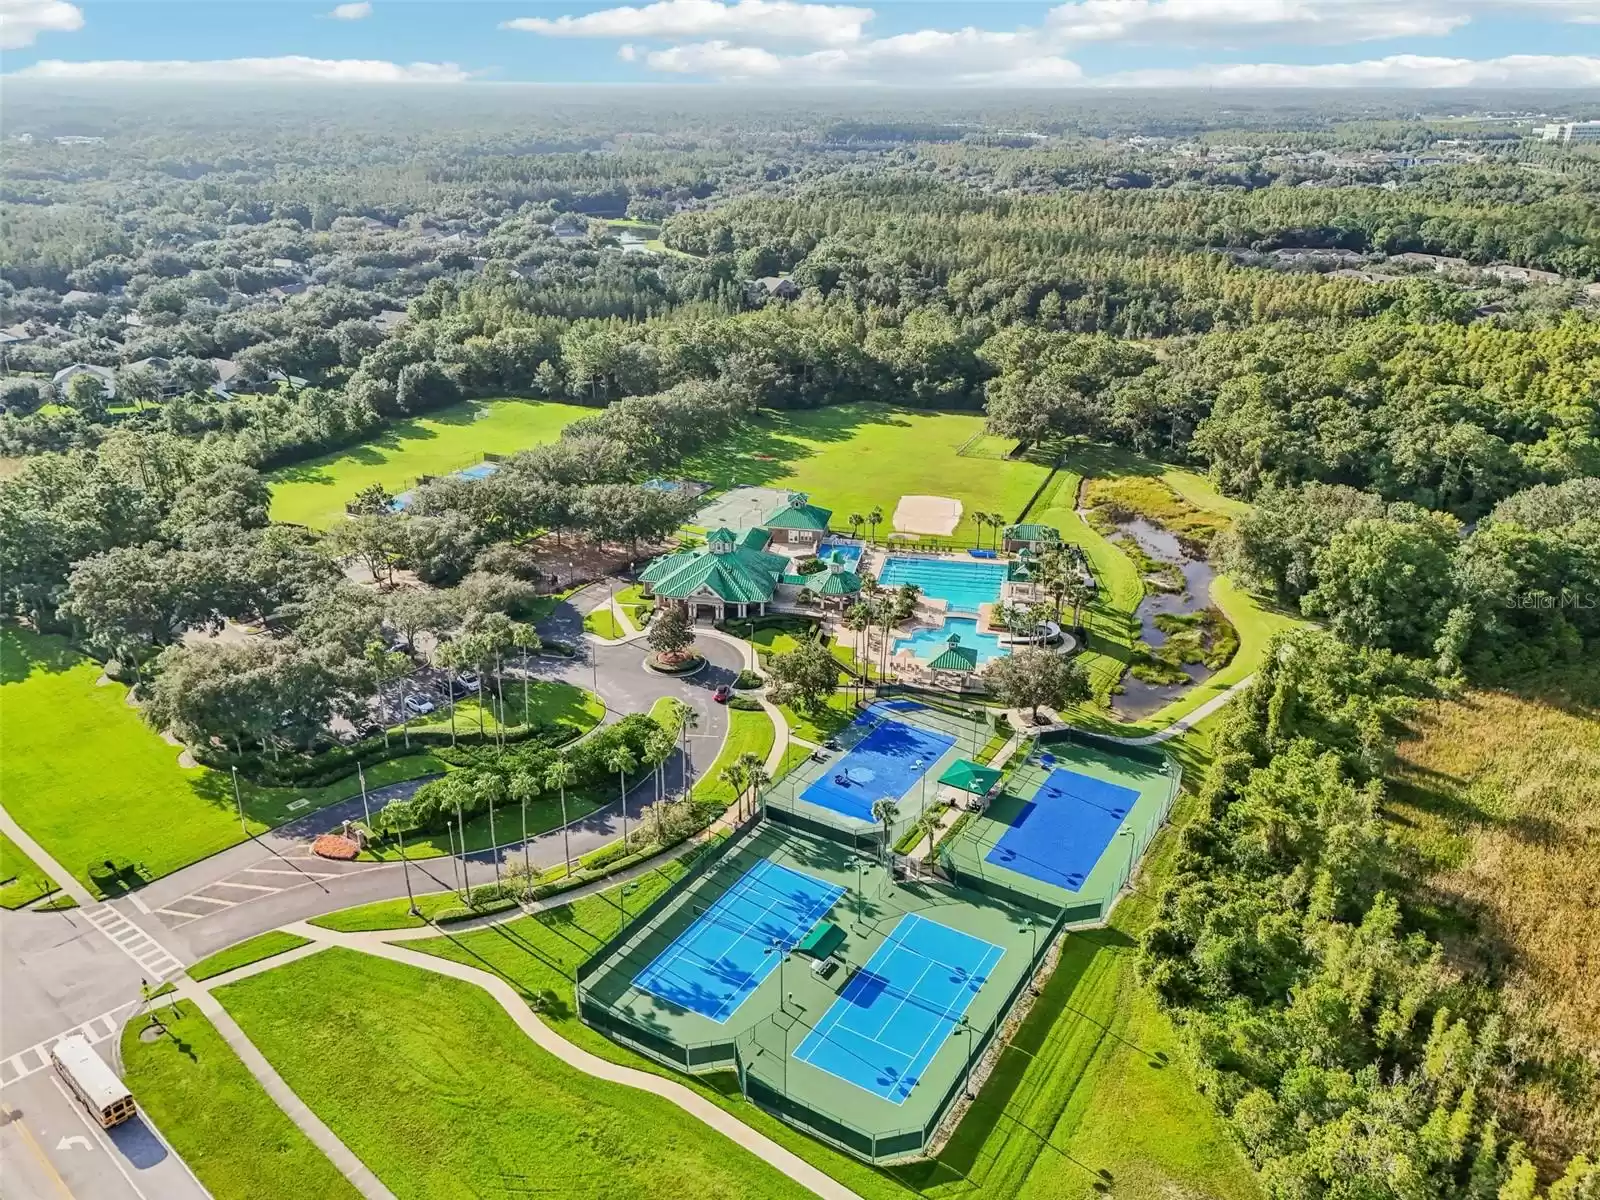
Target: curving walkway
x=380 y=944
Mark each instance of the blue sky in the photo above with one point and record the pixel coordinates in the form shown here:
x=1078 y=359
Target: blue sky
x=980 y=43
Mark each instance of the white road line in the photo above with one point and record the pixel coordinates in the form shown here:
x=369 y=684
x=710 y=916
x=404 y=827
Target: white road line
x=249 y=887
x=210 y=900
x=99 y=1136
x=36 y=1057
x=158 y=960
x=285 y=871
x=172 y=912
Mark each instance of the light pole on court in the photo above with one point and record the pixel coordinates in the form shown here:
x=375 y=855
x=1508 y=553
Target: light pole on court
x=1033 y=961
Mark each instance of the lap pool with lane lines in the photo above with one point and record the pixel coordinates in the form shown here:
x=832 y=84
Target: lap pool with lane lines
x=897 y=1011
x=715 y=964
x=962 y=585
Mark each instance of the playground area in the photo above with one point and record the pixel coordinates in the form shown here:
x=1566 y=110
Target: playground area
x=848 y=1002
x=1068 y=828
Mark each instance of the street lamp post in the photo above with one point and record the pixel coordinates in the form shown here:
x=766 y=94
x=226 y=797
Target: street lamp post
x=922 y=793
x=783 y=957
x=1033 y=961
x=238 y=802
x=860 y=862
x=365 y=810
x=966 y=1086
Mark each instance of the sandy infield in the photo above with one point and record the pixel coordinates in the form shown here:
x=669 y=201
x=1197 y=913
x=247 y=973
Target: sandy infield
x=938 y=515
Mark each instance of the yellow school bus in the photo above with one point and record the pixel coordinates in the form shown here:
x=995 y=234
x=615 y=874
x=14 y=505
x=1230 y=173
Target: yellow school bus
x=96 y=1085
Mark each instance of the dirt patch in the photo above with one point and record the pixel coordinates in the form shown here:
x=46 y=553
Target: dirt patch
x=933 y=515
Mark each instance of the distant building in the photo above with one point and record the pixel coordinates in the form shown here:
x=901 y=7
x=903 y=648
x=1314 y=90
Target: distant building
x=105 y=375
x=1030 y=537
x=390 y=319
x=75 y=296
x=161 y=368
x=1572 y=131
x=778 y=286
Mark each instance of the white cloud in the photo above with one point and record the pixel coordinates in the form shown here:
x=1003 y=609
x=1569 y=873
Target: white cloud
x=671 y=20
x=1319 y=21
x=291 y=68
x=1397 y=70
x=23 y=20
x=358 y=11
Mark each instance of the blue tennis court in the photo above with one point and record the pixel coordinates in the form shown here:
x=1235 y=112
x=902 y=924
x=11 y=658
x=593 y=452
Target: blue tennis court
x=887 y=762
x=895 y=1013
x=1059 y=835
x=718 y=961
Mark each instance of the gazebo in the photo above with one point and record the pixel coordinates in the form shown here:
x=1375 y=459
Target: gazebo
x=837 y=584
x=970 y=778
x=955 y=657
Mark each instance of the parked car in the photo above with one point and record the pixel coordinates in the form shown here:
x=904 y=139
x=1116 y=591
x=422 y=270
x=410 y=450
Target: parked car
x=723 y=694
x=419 y=706
x=468 y=680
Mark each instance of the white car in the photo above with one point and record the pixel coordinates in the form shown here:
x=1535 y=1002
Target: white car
x=419 y=706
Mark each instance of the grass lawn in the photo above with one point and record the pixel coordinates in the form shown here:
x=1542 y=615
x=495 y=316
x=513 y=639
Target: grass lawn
x=84 y=774
x=793 y=755
x=748 y=733
x=263 y=945
x=632 y=601
x=388 y=914
x=393 y=1059
x=223 y=1123
x=823 y=452
x=839 y=712
x=545 y=703
x=21 y=880
x=602 y=622
x=314 y=493
x=667 y=712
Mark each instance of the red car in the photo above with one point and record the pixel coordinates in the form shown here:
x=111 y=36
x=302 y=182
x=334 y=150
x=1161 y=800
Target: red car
x=723 y=694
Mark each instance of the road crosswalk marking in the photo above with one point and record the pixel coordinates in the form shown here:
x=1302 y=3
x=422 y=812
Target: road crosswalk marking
x=37 y=1057
x=134 y=942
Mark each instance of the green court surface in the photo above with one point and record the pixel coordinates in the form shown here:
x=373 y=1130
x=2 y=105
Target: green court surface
x=1021 y=846
x=315 y=492
x=769 y=1011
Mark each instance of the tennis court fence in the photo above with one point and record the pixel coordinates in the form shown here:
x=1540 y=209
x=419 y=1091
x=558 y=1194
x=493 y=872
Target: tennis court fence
x=1143 y=832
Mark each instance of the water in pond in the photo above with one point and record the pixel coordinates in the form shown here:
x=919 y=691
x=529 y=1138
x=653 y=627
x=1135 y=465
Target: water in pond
x=1138 y=698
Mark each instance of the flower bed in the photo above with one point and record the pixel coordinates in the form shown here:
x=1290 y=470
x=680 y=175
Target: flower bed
x=335 y=846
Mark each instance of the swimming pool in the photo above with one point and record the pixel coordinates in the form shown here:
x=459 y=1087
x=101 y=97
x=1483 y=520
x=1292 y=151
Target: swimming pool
x=928 y=644
x=963 y=585
x=849 y=553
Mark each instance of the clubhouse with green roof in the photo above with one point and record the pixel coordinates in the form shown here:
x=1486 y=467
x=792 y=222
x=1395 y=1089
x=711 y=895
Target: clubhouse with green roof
x=741 y=574
x=1030 y=538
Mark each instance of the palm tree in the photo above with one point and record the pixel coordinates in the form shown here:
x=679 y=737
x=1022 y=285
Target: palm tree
x=561 y=774
x=1077 y=593
x=753 y=770
x=756 y=778
x=447 y=656
x=734 y=776
x=928 y=822
x=856 y=522
x=621 y=760
x=524 y=786
x=658 y=747
x=885 y=812
x=524 y=638
x=874 y=519
x=494 y=788
x=688 y=719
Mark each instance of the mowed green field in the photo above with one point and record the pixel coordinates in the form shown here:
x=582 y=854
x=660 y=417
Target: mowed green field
x=87 y=778
x=430 y=1083
x=854 y=456
x=315 y=492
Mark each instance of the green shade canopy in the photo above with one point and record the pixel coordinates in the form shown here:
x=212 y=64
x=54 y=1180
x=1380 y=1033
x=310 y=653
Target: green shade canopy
x=1032 y=533
x=955 y=657
x=970 y=776
x=824 y=938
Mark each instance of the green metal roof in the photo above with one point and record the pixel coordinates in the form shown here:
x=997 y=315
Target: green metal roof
x=1032 y=533
x=799 y=514
x=824 y=938
x=970 y=776
x=955 y=657
x=738 y=574
x=721 y=536
x=833 y=583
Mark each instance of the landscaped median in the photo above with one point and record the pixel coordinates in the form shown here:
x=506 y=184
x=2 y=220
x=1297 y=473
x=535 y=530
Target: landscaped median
x=21 y=879
x=254 y=950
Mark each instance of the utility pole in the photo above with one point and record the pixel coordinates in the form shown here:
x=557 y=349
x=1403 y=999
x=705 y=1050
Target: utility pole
x=238 y=802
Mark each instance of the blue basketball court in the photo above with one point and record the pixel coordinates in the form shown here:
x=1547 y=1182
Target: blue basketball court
x=886 y=763
x=718 y=961
x=1059 y=835
x=895 y=1013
